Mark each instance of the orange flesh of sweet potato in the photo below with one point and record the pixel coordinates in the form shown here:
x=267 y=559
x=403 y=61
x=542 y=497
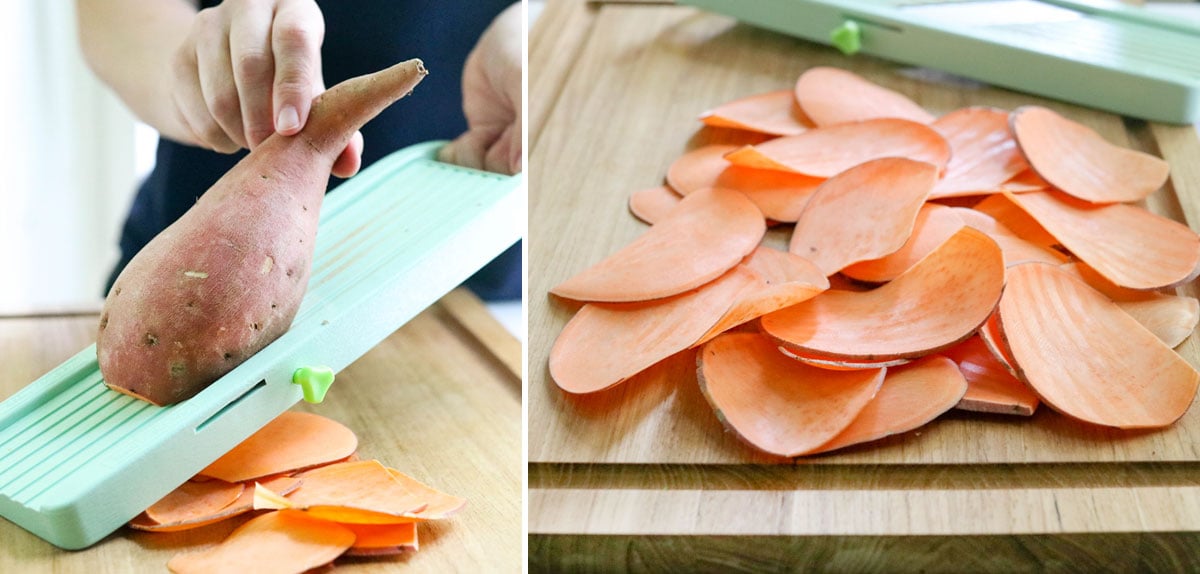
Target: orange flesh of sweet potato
x=984 y=156
x=1128 y=245
x=283 y=541
x=194 y=499
x=784 y=279
x=938 y=302
x=910 y=397
x=781 y=196
x=933 y=225
x=834 y=96
x=842 y=364
x=227 y=278
x=991 y=388
x=774 y=113
x=707 y=234
x=382 y=537
x=196 y=519
x=1015 y=249
x=1171 y=318
x=366 y=492
x=828 y=151
x=1076 y=160
x=993 y=339
x=776 y=404
x=645 y=333
x=1087 y=358
x=292 y=441
x=653 y=203
x=1015 y=220
x=863 y=213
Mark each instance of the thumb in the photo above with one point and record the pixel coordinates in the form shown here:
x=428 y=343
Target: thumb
x=296 y=38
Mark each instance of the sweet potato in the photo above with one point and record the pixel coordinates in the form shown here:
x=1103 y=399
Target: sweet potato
x=227 y=278
x=1085 y=357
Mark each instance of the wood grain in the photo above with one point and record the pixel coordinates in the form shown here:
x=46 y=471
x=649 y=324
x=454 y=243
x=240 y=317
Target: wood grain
x=626 y=110
x=430 y=401
x=643 y=477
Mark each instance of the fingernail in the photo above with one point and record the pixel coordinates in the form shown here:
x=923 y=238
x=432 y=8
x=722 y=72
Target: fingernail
x=288 y=120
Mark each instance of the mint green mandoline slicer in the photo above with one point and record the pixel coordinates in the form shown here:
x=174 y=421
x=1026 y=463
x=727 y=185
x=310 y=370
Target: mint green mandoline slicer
x=1105 y=55
x=78 y=460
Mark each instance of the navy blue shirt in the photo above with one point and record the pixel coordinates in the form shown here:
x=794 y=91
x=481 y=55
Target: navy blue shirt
x=360 y=37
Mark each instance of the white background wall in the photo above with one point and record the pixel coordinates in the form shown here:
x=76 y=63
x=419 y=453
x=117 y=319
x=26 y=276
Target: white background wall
x=69 y=167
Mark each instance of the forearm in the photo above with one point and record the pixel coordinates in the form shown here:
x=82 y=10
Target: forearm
x=130 y=44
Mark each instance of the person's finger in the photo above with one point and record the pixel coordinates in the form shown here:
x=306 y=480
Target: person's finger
x=350 y=160
x=216 y=79
x=296 y=36
x=189 y=100
x=468 y=149
x=253 y=69
x=516 y=144
x=498 y=158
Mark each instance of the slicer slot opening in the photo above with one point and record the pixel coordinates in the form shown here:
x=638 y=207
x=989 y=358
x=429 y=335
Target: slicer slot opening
x=231 y=405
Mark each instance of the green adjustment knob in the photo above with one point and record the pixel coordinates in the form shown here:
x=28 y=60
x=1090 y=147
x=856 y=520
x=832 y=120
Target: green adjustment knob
x=847 y=37
x=314 y=381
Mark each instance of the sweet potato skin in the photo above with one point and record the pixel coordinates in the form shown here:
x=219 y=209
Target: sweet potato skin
x=228 y=277
x=221 y=285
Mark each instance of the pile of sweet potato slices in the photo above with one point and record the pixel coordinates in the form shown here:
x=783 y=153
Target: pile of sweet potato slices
x=313 y=501
x=986 y=260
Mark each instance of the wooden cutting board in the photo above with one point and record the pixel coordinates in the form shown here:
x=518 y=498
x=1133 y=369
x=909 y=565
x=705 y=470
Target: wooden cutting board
x=644 y=473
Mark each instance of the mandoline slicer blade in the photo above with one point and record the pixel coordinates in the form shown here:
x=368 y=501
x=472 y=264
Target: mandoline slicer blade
x=78 y=460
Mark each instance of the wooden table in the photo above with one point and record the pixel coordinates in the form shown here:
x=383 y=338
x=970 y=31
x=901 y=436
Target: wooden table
x=643 y=476
x=440 y=399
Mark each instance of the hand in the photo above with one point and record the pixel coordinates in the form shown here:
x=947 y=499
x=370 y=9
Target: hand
x=250 y=68
x=492 y=100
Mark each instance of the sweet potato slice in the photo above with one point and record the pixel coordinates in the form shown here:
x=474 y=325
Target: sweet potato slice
x=935 y=304
x=775 y=404
x=292 y=441
x=244 y=504
x=438 y=504
x=283 y=541
x=362 y=492
x=784 y=279
x=1027 y=180
x=774 y=113
x=1171 y=318
x=1085 y=357
x=1016 y=250
x=843 y=364
x=864 y=213
x=910 y=397
x=1078 y=161
x=983 y=153
x=781 y=196
x=993 y=339
x=834 y=96
x=382 y=537
x=1126 y=244
x=1014 y=219
x=991 y=388
x=192 y=499
x=934 y=224
x=654 y=203
x=828 y=151
x=645 y=333
x=707 y=234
